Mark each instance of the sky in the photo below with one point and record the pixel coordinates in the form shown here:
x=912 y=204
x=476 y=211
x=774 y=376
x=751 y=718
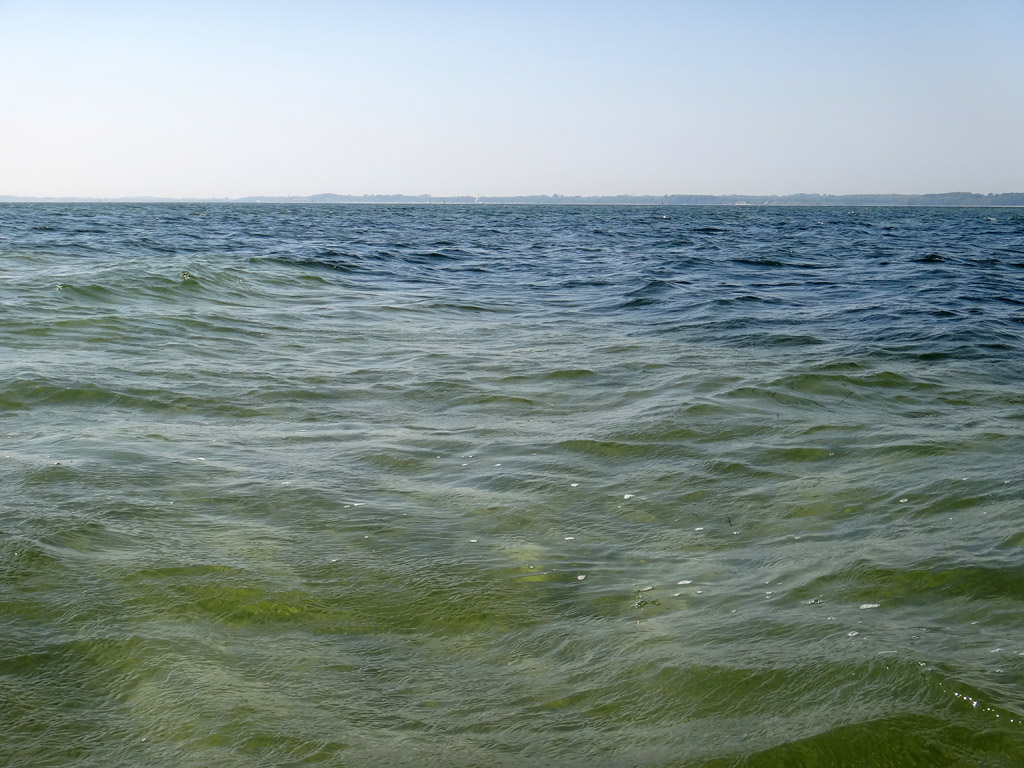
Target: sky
x=228 y=99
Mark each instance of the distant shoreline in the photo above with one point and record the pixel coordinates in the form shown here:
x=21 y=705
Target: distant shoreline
x=939 y=200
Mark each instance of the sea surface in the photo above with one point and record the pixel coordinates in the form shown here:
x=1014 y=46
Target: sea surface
x=511 y=485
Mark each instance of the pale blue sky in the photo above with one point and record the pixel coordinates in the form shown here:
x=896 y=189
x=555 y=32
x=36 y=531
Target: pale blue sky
x=230 y=98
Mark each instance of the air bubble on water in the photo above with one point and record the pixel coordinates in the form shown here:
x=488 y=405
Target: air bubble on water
x=698 y=529
x=465 y=465
x=474 y=541
x=627 y=496
x=645 y=589
x=904 y=501
x=498 y=464
x=570 y=538
x=581 y=577
x=700 y=592
x=574 y=485
x=865 y=606
x=286 y=482
x=358 y=503
x=684 y=581
x=852 y=633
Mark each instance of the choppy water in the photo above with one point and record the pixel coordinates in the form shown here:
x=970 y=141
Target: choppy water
x=485 y=486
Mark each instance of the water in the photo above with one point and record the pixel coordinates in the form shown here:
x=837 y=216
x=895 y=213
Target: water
x=474 y=485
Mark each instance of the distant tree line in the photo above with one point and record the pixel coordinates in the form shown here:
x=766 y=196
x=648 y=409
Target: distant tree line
x=946 y=198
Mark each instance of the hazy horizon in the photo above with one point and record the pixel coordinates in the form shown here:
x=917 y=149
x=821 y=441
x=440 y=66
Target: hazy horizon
x=182 y=100
x=465 y=197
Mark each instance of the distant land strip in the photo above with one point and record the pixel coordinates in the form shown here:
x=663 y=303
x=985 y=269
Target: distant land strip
x=1005 y=199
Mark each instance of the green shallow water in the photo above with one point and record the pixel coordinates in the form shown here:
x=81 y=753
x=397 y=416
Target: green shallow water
x=264 y=513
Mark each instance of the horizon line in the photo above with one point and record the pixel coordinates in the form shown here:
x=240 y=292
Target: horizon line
x=698 y=198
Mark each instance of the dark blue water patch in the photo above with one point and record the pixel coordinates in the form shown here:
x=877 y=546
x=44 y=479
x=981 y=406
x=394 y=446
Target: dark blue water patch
x=879 y=275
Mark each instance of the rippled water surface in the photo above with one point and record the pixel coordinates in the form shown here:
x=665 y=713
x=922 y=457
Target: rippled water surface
x=505 y=486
